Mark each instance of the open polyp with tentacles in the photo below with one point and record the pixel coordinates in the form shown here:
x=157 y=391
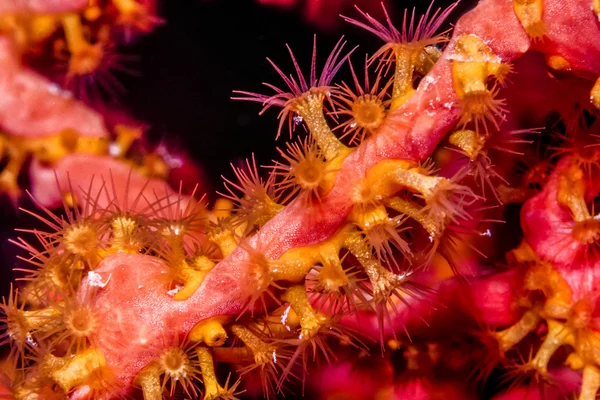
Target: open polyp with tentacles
x=266 y=280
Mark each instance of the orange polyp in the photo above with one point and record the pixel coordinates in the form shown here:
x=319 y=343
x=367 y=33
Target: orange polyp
x=365 y=106
x=134 y=14
x=595 y=95
x=530 y=13
x=558 y=295
x=210 y=332
x=515 y=333
x=310 y=108
x=473 y=63
x=85 y=57
x=178 y=367
x=412 y=48
x=587 y=231
x=305 y=171
x=310 y=321
x=73 y=371
x=471 y=142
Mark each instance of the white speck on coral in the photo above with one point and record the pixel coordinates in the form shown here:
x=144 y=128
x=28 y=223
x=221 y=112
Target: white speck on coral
x=274 y=355
x=353 y=125
x=175 y=290
x=427 y=81
x=114 y=149
x=297 y=119
x=487 y=233
x=30 y=340
x=95 y=279
x=284 y=318
x=53 y=88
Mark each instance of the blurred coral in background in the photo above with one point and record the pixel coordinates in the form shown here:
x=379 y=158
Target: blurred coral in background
x=325 y=14
x=428 y=230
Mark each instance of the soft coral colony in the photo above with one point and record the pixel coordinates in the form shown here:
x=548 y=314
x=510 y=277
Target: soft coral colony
x=379 y=218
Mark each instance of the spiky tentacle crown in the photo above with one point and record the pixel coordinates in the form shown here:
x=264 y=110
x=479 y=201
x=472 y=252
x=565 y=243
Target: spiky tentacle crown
x=123 y=298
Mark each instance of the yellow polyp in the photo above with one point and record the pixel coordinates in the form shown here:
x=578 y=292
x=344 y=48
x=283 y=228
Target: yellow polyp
x=126 y=135
x=192 y=279
x=296 y=263
x=390 y=176
x=586 y=343
x=92 y=13
x=124 y=239
x=222 y=209
x=383 y=281
x=558 y=335
x=72 y=371
x=43 y=318
x=473 y=62
x=12 y=25
x=558 y=63
x=212 y=389
x=571 y=192
x=310 y=321
x=48 y=149
x=393 y=344
x=149 y=380
x=530 y=13
x=596 y=8
x=82 y=239
x=27 y=30
x=42 y=26
x=10 y=174
x=224 y=239
x=514 y=334
x=85 y=57
x=414 y=211
x=263 y=353
x=332 y=276
x=544 y=277
x=153 y=165
x=523 y=254
x=469 y=141
x=203 y=264
x=210 y=332
x=379 y=182
x=310 y=107
x=134 y=14
x=595 y=95
x=367 y=217
x=427 y=59
x=402 y=90
x=332 y=166
x=368 y=112
x=513 y=195
x=51 y=149
x=126 y=6
x=590 y=383
x=574 y=362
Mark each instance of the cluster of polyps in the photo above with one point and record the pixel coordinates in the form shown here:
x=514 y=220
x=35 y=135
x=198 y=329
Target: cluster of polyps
x=42 y=120
x=120 y=299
